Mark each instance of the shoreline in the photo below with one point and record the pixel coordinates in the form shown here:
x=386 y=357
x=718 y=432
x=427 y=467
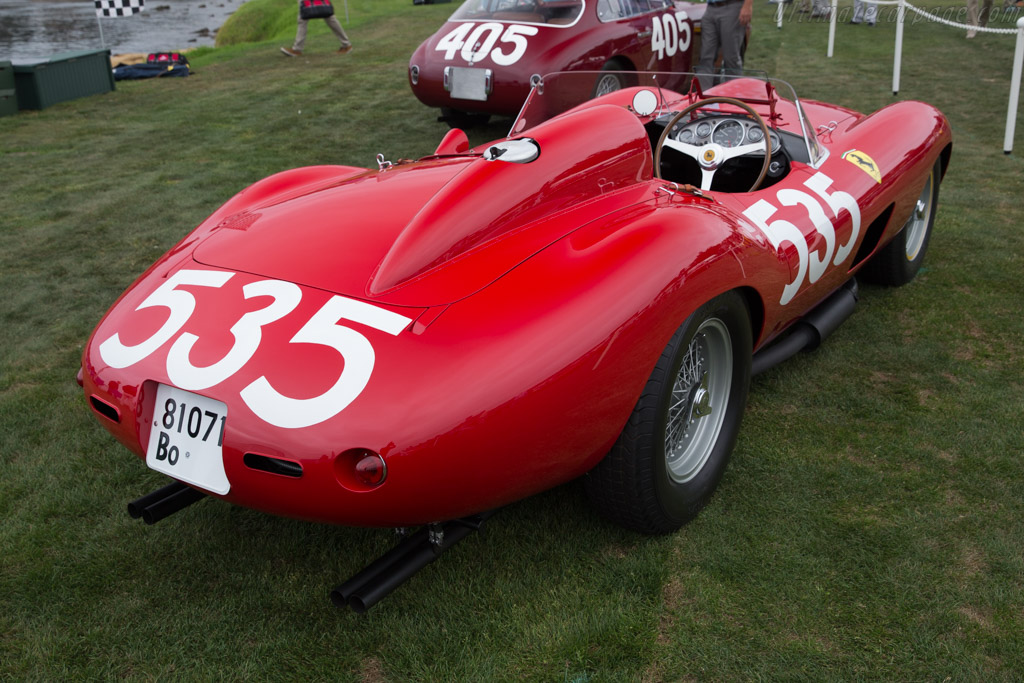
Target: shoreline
x=35 y=32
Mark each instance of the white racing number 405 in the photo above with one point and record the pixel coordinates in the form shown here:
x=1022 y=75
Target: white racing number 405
x=670 y=33
x=505 y=45
x=324 y=328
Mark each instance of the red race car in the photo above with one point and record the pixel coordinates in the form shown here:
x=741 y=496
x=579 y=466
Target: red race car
x=426 y=341
x=481 y=60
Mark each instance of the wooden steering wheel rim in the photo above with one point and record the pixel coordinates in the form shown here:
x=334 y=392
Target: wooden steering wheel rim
x=718 y=100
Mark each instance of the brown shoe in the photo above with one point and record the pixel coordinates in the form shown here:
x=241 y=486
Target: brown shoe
x=291 y=53
x=344 y=50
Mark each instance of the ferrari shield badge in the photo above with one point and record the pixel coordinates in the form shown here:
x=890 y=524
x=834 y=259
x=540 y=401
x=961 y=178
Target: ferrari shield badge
x=864 y=163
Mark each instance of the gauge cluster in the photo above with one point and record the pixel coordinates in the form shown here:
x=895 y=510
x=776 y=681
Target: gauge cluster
x=727 y=131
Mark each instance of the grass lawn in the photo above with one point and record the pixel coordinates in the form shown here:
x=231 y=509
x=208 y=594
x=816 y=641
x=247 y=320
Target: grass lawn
x=870 y=524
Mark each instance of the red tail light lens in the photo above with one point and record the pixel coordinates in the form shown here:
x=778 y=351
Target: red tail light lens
x=360 y=469
x=371 y=469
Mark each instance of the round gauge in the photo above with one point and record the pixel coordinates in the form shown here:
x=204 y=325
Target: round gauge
x=685 y=135
x=776 y=142
x=755 y=134
x=703 y=129
x=728 y=133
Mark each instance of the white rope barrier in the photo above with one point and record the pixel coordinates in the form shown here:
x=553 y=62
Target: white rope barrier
x=970 y=27
x=901 y=13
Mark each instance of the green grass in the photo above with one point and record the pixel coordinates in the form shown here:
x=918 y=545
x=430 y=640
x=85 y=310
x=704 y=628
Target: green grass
x=869 y=525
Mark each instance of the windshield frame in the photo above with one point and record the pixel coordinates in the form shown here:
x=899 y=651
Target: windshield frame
x=533 y=111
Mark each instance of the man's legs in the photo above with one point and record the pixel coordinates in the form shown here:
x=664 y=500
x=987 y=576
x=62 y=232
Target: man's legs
x=335 y=25
x=300 y=35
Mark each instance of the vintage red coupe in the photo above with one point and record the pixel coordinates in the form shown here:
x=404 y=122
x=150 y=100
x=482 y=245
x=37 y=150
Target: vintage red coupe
x=425 y=341
x=481 y=60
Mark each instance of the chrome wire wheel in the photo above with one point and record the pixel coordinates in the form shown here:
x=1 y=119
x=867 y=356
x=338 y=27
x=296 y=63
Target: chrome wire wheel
x=917 y=225
x=673 y=450
x=607 y=83
x=700 y=395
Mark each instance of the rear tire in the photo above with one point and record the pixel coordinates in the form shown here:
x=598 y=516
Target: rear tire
x=672 y=453
x=609 y=81
x=897 y=262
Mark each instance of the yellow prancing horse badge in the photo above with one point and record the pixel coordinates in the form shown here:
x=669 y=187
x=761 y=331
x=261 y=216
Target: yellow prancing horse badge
x=864 y=163
x=709 y=155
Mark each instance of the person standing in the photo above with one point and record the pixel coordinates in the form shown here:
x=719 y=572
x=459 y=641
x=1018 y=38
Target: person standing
x=723 y=27
x=976 y=19
x=300 y=35
x=864 y=12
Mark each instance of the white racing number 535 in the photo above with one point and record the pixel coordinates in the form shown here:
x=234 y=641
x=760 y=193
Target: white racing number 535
x=809 y=265
x=324 y=328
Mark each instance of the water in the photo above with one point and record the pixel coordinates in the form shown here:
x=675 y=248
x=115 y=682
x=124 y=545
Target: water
x=34 y=30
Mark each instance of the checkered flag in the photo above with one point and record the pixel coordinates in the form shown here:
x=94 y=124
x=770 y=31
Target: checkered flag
x=118 y=8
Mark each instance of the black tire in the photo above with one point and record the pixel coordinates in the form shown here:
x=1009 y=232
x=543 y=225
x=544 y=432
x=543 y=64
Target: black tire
x=897 y=262
x=456 y=118
x=610 y=81
x=654 y=487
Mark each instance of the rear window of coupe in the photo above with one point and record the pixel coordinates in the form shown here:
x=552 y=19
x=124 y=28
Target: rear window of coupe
x=558 y=12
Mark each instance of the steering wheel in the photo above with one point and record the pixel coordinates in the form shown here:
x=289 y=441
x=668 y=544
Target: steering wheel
x=711 y=156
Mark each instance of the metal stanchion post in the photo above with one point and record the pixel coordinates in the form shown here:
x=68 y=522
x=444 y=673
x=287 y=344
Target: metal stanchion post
x=1011 y=112
x=832 y=27
x=901 y=13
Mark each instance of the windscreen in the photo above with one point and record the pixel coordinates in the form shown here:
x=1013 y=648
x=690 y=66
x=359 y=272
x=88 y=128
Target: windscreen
x=559 y=92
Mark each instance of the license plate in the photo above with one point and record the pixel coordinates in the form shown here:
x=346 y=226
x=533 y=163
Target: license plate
x=469 y=84
x=186 y=441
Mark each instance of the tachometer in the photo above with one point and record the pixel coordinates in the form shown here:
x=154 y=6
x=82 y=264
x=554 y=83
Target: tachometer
x=728 y=133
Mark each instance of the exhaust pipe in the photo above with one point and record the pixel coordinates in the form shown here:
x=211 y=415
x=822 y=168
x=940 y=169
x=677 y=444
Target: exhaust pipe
x=378 y=579
x=163 y=502
x=809 y=332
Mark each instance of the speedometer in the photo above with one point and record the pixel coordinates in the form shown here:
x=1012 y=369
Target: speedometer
x=728 y=133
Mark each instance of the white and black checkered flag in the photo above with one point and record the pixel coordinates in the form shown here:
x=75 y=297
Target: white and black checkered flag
x=118 y=8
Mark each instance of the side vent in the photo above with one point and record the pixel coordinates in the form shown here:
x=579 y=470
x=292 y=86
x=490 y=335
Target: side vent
x=264 y=463
x=873 y=235
x=105 y=409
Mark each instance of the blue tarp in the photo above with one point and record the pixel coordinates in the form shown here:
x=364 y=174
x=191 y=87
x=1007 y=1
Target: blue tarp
x=137 y=71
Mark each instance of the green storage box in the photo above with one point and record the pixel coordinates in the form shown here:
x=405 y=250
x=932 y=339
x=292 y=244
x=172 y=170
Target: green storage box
x=6 y=76
x=8 y=102
x=8 y=96
x=63 y=77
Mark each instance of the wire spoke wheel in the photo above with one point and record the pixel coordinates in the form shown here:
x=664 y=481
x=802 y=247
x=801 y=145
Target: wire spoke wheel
x=608 y=82
x=673 y=451
x=899 y=261
x=919 y=221
x=699 y=397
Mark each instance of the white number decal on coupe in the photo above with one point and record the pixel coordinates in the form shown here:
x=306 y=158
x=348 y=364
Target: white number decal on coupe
x=670 y=33
x=779 y=231
x=475 y=42
x=322 y=328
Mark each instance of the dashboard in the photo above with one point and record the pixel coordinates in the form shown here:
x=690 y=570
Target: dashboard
x=727 y=131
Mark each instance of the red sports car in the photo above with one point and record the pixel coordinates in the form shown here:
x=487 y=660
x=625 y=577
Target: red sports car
x=427 y=340
x=481 y=61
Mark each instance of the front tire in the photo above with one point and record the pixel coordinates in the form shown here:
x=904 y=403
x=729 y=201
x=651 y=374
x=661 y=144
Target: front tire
x=897 y=262
x=672 y=453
